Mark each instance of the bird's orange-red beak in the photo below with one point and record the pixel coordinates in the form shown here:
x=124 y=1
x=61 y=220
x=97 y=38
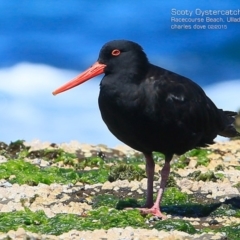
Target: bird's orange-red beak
x=96 y=69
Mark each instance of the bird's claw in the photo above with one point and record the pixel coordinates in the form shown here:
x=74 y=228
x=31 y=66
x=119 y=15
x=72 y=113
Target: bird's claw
x=153 y=211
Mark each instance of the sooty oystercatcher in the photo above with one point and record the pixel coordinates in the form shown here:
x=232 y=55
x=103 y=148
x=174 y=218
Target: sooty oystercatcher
x=152 y=109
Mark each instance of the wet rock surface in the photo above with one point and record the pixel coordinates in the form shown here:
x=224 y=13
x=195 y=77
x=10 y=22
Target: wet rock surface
x=213 y=183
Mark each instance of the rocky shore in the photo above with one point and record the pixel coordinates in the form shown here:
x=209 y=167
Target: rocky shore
x=214 y=184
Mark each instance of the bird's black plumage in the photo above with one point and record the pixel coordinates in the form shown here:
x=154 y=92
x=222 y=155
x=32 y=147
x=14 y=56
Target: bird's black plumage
x=152 y=109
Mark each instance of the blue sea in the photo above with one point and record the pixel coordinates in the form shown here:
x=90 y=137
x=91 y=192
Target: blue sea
x=45 y=43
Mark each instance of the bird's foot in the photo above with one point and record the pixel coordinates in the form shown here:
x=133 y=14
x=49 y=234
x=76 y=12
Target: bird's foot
x=155 y=211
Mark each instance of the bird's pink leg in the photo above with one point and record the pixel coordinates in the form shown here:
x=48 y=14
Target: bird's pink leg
x=155 y=209
x=150 y=166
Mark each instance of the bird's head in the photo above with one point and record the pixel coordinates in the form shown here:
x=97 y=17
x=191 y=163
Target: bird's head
x=115 y=56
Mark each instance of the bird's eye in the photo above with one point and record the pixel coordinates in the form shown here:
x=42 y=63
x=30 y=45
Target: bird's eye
x=116 y=52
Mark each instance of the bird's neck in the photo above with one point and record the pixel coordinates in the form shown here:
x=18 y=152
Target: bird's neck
x=132 y=75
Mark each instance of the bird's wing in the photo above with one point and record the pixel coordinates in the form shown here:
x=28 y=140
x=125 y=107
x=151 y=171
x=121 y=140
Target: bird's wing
x=183 y=101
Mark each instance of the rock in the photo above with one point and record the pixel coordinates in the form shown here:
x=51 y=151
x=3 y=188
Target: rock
x=143 y=184
x=77 y=199
x=121 y=183
x=20 y=234
x=5 y=184
x=192 y=163
x=134 y=185
x=107 y=186
x=116 y=189
x=3 y=159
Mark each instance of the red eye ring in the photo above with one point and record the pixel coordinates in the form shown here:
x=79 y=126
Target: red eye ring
x=116 y=52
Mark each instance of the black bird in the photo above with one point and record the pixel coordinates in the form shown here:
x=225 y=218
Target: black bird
x=152 y=109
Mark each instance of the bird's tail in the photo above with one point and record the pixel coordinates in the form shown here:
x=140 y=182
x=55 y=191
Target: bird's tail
x=229 y=129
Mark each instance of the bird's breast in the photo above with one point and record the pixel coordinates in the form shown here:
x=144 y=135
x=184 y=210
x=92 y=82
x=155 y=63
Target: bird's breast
x=128 y=114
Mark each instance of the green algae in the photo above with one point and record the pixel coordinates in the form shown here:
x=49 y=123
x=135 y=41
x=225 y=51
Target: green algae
x=173 y=224
x=206 y=177
x=106 y=218
x=219 y=167
x=140 y=160
x=158 y=157
x=46 y=154
x=90 y=162
x=182 y=161
x=93 y=176
x=237 y=185
x=232 y=232
x=237 y=214
x=126 y=172
x=173 y=196
x=102 y=218
x=202 y=156
x=26 y=218
x=178 y=203
x=174 y=202
x=171 y=182
x=107 y=200
x=14 y=150
x=22 y=172
x=105 y=213
x=54 y=156
x=231 y=207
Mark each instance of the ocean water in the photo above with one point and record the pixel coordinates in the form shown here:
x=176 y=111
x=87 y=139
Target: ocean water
x=45 y=43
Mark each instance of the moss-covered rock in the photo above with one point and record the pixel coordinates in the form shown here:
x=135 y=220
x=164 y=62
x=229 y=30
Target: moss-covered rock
x=205 y=177
x=179 y=225
x=126 y=172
